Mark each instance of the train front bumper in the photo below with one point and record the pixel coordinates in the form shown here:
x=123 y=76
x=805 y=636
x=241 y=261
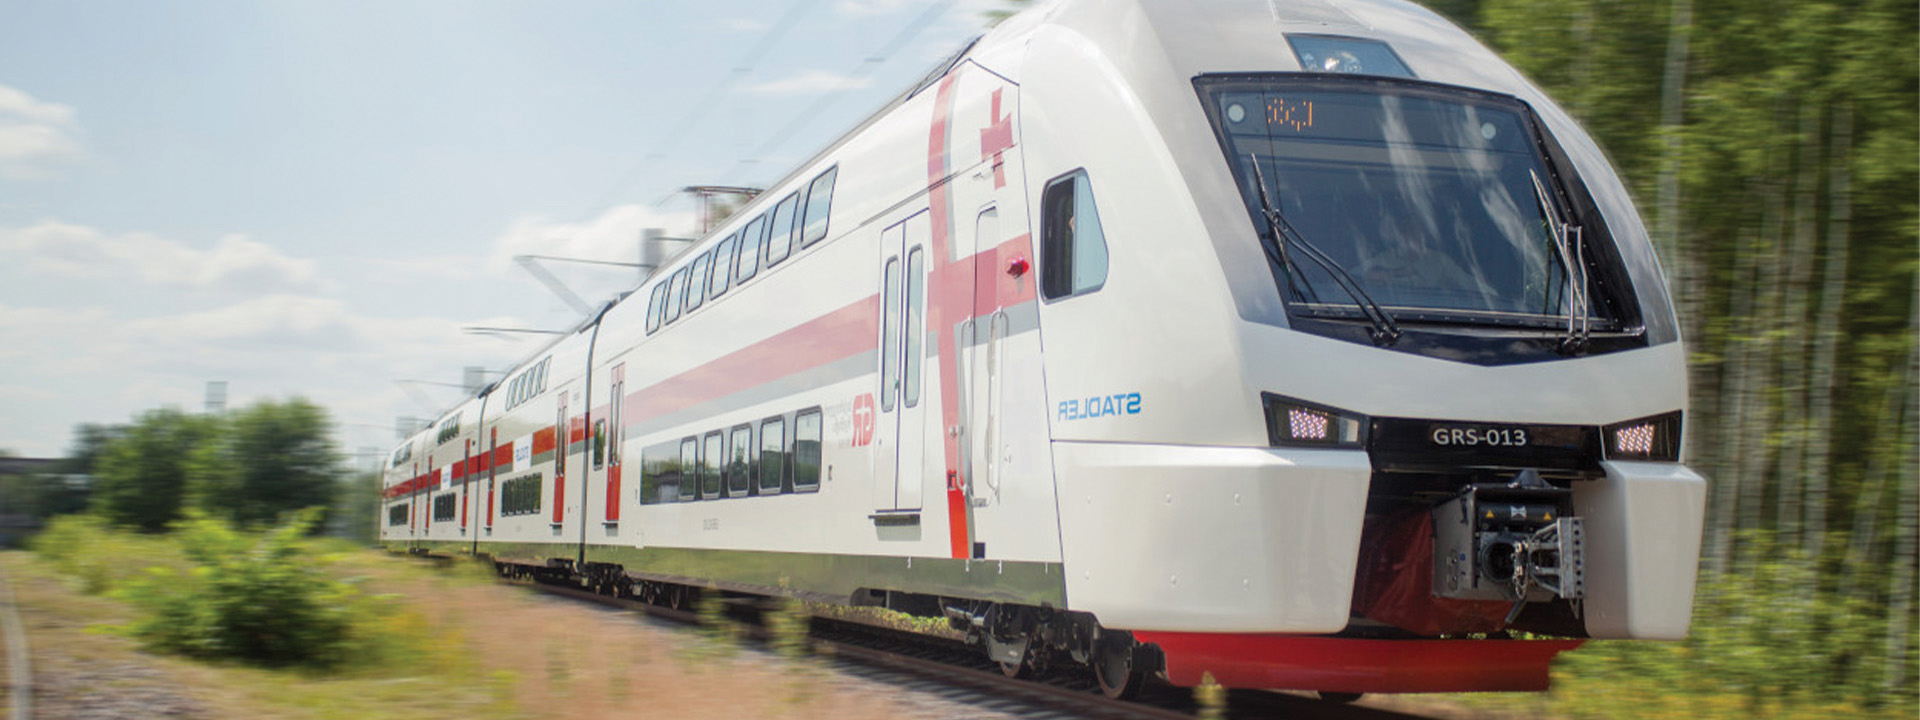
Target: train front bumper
x=1211 y=539
x=1266 y=540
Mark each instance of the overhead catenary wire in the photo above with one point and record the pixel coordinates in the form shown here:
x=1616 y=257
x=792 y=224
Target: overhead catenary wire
x=715 y=93
x=907 y=33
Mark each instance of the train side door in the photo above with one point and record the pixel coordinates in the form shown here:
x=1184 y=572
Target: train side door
x=900 y=429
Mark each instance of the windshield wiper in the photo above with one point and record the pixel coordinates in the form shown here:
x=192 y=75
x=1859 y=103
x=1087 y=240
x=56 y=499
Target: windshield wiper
x=1280 y=234
x=1567 y=243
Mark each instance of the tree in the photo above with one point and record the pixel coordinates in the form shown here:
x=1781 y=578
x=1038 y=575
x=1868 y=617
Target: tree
x=141 y=476
x=268 y=460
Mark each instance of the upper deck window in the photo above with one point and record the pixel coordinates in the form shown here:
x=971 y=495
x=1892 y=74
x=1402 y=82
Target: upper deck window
x=780 y=237
x=697 y=287
x=819 y=201
x=750 y=249
x=722 y=267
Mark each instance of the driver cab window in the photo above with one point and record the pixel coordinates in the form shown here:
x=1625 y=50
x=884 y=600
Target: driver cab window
x=1073 y=253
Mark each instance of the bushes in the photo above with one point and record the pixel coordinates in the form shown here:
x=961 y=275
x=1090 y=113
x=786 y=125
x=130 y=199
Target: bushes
x=212 y=591
x=1765 y=643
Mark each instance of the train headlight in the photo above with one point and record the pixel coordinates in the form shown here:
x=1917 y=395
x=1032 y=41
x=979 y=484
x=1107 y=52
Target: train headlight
x=1648 y=438
x=1295 y=423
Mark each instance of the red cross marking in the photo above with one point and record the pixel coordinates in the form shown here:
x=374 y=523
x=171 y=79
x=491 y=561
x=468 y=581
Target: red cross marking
x=963 y=288
x=995 y=138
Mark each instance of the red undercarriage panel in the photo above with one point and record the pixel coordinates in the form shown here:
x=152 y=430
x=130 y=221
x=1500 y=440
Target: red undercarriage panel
x=1296 y=662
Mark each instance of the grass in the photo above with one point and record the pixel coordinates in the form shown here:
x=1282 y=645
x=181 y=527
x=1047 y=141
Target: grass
x=451 y=643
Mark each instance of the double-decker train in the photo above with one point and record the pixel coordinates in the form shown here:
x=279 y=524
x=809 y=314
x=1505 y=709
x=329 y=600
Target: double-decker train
x=1302 y=343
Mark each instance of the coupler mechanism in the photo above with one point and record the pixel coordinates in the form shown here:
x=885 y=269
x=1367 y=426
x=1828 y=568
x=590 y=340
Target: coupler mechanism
x=1516 y=542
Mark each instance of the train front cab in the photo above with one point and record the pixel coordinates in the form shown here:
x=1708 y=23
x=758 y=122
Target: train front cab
x=1264 y=480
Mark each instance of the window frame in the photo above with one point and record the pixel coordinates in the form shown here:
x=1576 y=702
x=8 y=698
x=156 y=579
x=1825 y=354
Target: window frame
x=689 y=476
x=735 y=436
x=779 y=460
x=757 y=228
x=696 y=283
x=599 y=443
x=713 y=454
x=676 y=290
x=808 y=236
x=1050 y=260
x=914 y=332
x=656 y=307
x=722 y=272
x=890 y=312
x=787 y=207
x=819 y=449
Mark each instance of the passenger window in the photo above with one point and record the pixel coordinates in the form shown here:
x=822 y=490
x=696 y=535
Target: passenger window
x=806 y=450
x=740 y=461
x=713 y=453
x=689 y=469
x=819 y=201
x=660 y=480
x=599 y=443
x=773 y=459
x=780 y=236
x=1073 y=252
x=676 y=288
x=915 y=332
x=722 y=267
x=750 y=249
x=656 y=307
x=889 y=326
x=697 y=285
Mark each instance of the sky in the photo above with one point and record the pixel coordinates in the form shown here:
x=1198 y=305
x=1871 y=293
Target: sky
x=313 y=198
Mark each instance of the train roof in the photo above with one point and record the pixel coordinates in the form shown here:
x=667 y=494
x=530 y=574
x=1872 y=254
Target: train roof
x=1186 y=38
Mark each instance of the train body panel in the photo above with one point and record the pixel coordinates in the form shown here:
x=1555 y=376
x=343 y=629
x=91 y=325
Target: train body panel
x=535 y=428
x=1087 y=322
x=445 y=495
x=908 y=386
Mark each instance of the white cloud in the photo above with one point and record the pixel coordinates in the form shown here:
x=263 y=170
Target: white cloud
x=809 y=82
x=743 y=25
x=859 y=8
x=89 y=365
x=34 y=135
x=234 y=263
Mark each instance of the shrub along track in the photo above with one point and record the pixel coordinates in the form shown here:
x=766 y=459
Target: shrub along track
x=955 y=664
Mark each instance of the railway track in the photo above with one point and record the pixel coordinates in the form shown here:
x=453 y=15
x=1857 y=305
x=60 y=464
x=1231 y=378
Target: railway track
x=19 y=671
x=953 y=664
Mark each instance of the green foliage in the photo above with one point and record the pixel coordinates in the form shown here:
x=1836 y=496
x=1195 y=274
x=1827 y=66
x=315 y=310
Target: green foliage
x=257 y=597
x=1764 y=644
x=1788 y=184
x=90 y=553
x=250 y=467
x=141 y=477
x=267 y=460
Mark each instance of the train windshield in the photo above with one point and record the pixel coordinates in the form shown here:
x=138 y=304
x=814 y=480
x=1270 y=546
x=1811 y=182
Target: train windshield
x=1437 y=203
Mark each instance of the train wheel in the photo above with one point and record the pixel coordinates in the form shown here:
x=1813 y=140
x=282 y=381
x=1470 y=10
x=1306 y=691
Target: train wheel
x=1013 y=669
x=1339 y=698
x=1114 y=666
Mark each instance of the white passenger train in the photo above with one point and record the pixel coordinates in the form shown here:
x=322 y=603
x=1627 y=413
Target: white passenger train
x=1300 y=342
